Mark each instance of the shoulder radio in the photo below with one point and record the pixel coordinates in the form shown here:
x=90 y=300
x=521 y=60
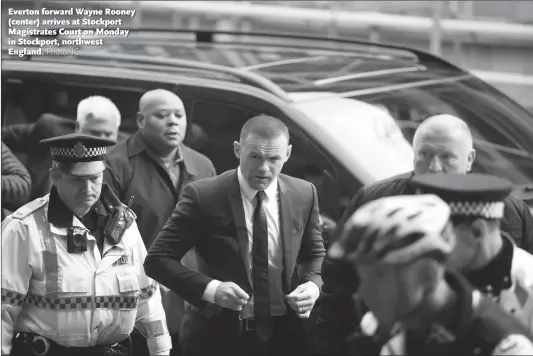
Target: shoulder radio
x=118 y=221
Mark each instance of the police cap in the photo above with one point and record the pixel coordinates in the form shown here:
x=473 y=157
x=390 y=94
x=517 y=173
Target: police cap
x=469 y=195
x=83 y=154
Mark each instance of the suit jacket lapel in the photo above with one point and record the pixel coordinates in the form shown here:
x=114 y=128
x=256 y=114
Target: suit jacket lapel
x=237 y=210
x=289 y=260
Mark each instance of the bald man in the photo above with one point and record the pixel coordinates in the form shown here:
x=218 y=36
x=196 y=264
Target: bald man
x=441 y=144
x=153 y=166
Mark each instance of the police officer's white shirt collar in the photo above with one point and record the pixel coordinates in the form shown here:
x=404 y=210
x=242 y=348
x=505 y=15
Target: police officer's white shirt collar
x=63 y=230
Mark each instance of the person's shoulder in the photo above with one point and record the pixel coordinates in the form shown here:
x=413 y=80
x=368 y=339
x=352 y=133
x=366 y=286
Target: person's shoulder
x=295 y=183
x=202 y=164
x=30 y=208
x=119 y=150
x=222 y=180
x=522 y=262
x=193 y=154
x=23 y=219
x=296 y=187
x=117 y=158
x=516 y=203
x=385 y=186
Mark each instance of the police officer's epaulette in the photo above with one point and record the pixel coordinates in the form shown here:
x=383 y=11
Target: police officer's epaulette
x=29 y=208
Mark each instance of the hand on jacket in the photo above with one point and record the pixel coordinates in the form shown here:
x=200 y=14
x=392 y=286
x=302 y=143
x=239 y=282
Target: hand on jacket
x=229 y=295
x=303 y=298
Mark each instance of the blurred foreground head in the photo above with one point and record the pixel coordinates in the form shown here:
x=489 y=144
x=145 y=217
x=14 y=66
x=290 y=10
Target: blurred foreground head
x=397 y=246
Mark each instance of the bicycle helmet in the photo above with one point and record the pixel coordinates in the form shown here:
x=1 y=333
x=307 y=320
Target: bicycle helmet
x=396 y=230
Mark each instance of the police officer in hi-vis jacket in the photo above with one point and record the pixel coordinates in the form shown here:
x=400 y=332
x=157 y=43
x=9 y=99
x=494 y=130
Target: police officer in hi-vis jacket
x=73 y=281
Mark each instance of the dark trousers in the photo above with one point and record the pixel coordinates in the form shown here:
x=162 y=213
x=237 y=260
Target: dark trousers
x=288 y=339
x=140 y=346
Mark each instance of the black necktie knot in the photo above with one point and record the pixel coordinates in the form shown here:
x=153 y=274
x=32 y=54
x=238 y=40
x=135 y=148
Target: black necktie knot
x=261 y=195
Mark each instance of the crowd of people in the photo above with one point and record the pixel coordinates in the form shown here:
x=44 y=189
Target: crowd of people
x=135 y=245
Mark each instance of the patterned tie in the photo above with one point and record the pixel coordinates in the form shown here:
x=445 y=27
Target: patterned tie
x=260 y=271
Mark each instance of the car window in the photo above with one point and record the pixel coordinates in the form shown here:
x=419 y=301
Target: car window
x=61 y=98
x=502 y=133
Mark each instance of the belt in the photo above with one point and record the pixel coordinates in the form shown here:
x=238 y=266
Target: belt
x=26 y=344
x=251 y=325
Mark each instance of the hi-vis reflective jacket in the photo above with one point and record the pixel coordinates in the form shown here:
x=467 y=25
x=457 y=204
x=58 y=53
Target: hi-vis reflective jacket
x=76 y=299
x=517 y=300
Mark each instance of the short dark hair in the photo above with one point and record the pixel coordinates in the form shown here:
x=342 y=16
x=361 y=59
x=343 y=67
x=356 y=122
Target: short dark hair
x=264 y=126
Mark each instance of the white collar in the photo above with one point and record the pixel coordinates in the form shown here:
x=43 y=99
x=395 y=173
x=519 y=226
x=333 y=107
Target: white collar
x=250 y=193
x=63 y=230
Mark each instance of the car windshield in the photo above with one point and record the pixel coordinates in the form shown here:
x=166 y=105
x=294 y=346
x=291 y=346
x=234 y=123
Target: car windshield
x=502 y=130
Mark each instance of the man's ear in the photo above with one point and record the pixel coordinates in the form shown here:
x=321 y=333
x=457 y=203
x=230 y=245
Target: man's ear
x=140 y=120
x=55 y=175
x=237 y=149
x=289 y=151
x=479 y=228
x=470 y=160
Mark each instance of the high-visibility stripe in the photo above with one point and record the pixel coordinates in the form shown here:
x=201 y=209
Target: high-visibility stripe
x=12 y=297
x=147 y=292
x=82 y=302
x=50 y=261
x=155 y=328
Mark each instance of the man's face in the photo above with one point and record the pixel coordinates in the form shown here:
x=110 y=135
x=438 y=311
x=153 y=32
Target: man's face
x=79 y=193
x=100 y=127
x=262 y=159
x=163 y=122
x=441 y=151
x=393 y=292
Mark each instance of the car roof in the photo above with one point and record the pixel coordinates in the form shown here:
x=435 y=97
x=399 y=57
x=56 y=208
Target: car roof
x=278 y=63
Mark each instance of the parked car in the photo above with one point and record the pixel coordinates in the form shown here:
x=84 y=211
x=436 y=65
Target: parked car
x=352 y=107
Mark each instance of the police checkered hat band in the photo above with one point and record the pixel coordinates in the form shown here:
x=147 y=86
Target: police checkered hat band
x=487 y=210
x=78 y=147
x=79 y=151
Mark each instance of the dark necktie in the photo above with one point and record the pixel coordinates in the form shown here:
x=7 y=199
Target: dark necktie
x=260 y=271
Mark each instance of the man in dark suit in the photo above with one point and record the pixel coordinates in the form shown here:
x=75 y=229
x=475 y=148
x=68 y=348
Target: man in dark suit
x=258 y=234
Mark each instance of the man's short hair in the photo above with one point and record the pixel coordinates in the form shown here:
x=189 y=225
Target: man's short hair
x=264 y=126
x=97 y=106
